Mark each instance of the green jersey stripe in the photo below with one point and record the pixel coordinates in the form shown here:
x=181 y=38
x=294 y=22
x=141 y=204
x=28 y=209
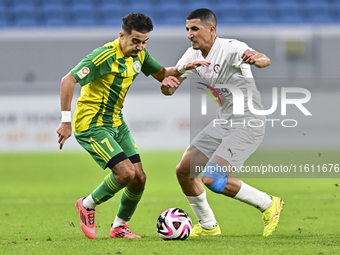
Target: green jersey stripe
x=101 y=54
x=104 y=58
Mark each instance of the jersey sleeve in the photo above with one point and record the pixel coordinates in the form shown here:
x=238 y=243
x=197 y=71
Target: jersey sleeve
x=94 y=65
x=186 y=58
x=150 y=65
x=239 y=48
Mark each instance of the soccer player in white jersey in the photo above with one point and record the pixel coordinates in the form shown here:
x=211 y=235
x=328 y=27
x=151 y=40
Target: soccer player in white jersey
x=221 y=61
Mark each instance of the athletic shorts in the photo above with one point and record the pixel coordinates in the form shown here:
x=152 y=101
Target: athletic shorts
x=109 y=146
x=234 y=144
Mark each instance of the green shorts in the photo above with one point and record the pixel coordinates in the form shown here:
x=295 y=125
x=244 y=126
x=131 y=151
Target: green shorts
x=109 y=146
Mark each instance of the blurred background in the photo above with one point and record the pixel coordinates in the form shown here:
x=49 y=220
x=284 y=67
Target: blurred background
x=42 y=40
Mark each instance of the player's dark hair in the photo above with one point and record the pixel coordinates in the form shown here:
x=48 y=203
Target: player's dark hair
x=206 y=16
x=137 y=21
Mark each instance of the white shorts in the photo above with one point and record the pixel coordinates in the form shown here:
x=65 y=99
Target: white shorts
x=234 y=144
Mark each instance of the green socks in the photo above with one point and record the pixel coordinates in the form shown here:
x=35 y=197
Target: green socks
x=107 y=189
x=128 y=203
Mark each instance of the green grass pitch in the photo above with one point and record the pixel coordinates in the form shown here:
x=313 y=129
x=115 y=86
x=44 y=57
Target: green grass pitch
x=38 y=192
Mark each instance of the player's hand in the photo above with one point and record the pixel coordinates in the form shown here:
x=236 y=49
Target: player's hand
x=170 y=82
x=195 y=64
x=169 y=85
x=64 y=132
x=249 y=57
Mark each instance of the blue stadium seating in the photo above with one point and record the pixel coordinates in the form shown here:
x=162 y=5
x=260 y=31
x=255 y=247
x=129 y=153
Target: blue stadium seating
x=82 y=14
x=171 y=14
x=335 y=11
x=112 y=13
x=165 y=12
x=230 y=13
x=258 y=13
x=24 y=13
x=319 y=12
x=289 y=12
x=53 y=12
x=3 y=20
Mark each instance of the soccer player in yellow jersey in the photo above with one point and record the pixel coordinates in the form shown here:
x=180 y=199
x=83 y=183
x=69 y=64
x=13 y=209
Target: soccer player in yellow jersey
x=105 y=76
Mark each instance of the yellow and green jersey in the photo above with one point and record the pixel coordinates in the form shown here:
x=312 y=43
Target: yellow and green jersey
x=105 y=76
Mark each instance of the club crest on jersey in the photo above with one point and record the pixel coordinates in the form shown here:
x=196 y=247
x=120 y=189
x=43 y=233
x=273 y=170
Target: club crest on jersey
x=136 y=66
x=83 y=72
x=217 y=68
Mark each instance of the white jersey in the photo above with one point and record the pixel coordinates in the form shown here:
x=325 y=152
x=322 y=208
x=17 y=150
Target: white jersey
x=227 y=67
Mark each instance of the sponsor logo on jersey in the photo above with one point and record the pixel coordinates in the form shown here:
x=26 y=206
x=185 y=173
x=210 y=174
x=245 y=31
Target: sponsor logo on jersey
x=216 y=94
x=217 y=68
x=83 y=72
x=136 y=66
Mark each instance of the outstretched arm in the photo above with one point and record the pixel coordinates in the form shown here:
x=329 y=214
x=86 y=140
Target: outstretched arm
x=171 y=76
x=170 y=84
x=177 y=70
x=66 y=93
x=255 y=58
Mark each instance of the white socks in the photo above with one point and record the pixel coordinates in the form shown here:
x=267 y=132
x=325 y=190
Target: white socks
x=254 y=197
x=118 y=222
x=88 y=202
x=202 y=211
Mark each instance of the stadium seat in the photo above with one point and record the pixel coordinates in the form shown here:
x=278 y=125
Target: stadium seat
x=49 y=2
x=142 y=7
x=319 y=12
x=230 y=13
x=112 y=13
x=22 y=3
x=3 y=16
x=222 y=2
x=79 y=4
x=196 y=4
x=25 y=14
x=53 y=12
x=172 y=14
x=3 y=20
x=54 y=15
x=335 y=12
x=83 y=15
x=288 y=12
x=258 y=12
x=289 y=1
x=246 y=2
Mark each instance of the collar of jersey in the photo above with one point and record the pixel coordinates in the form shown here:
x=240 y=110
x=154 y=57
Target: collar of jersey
x=119 y=51
x=212 y=47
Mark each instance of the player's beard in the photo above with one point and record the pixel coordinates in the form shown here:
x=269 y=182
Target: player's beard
x=134 y=54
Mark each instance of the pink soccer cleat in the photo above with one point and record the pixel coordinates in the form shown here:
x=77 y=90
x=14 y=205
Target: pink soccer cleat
x=86 y=219
x=122 y=232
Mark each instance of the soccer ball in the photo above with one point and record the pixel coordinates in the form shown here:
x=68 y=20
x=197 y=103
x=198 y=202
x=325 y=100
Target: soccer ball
x=174 y=224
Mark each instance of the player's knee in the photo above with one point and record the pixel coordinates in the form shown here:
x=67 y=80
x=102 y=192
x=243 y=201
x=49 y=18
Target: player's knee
x=124 y=175
x=214 y=177
x=207 y=181
x=140 y=178
x=128 y=176
x=215 y=185
x=182 y=172
x=138 y=183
